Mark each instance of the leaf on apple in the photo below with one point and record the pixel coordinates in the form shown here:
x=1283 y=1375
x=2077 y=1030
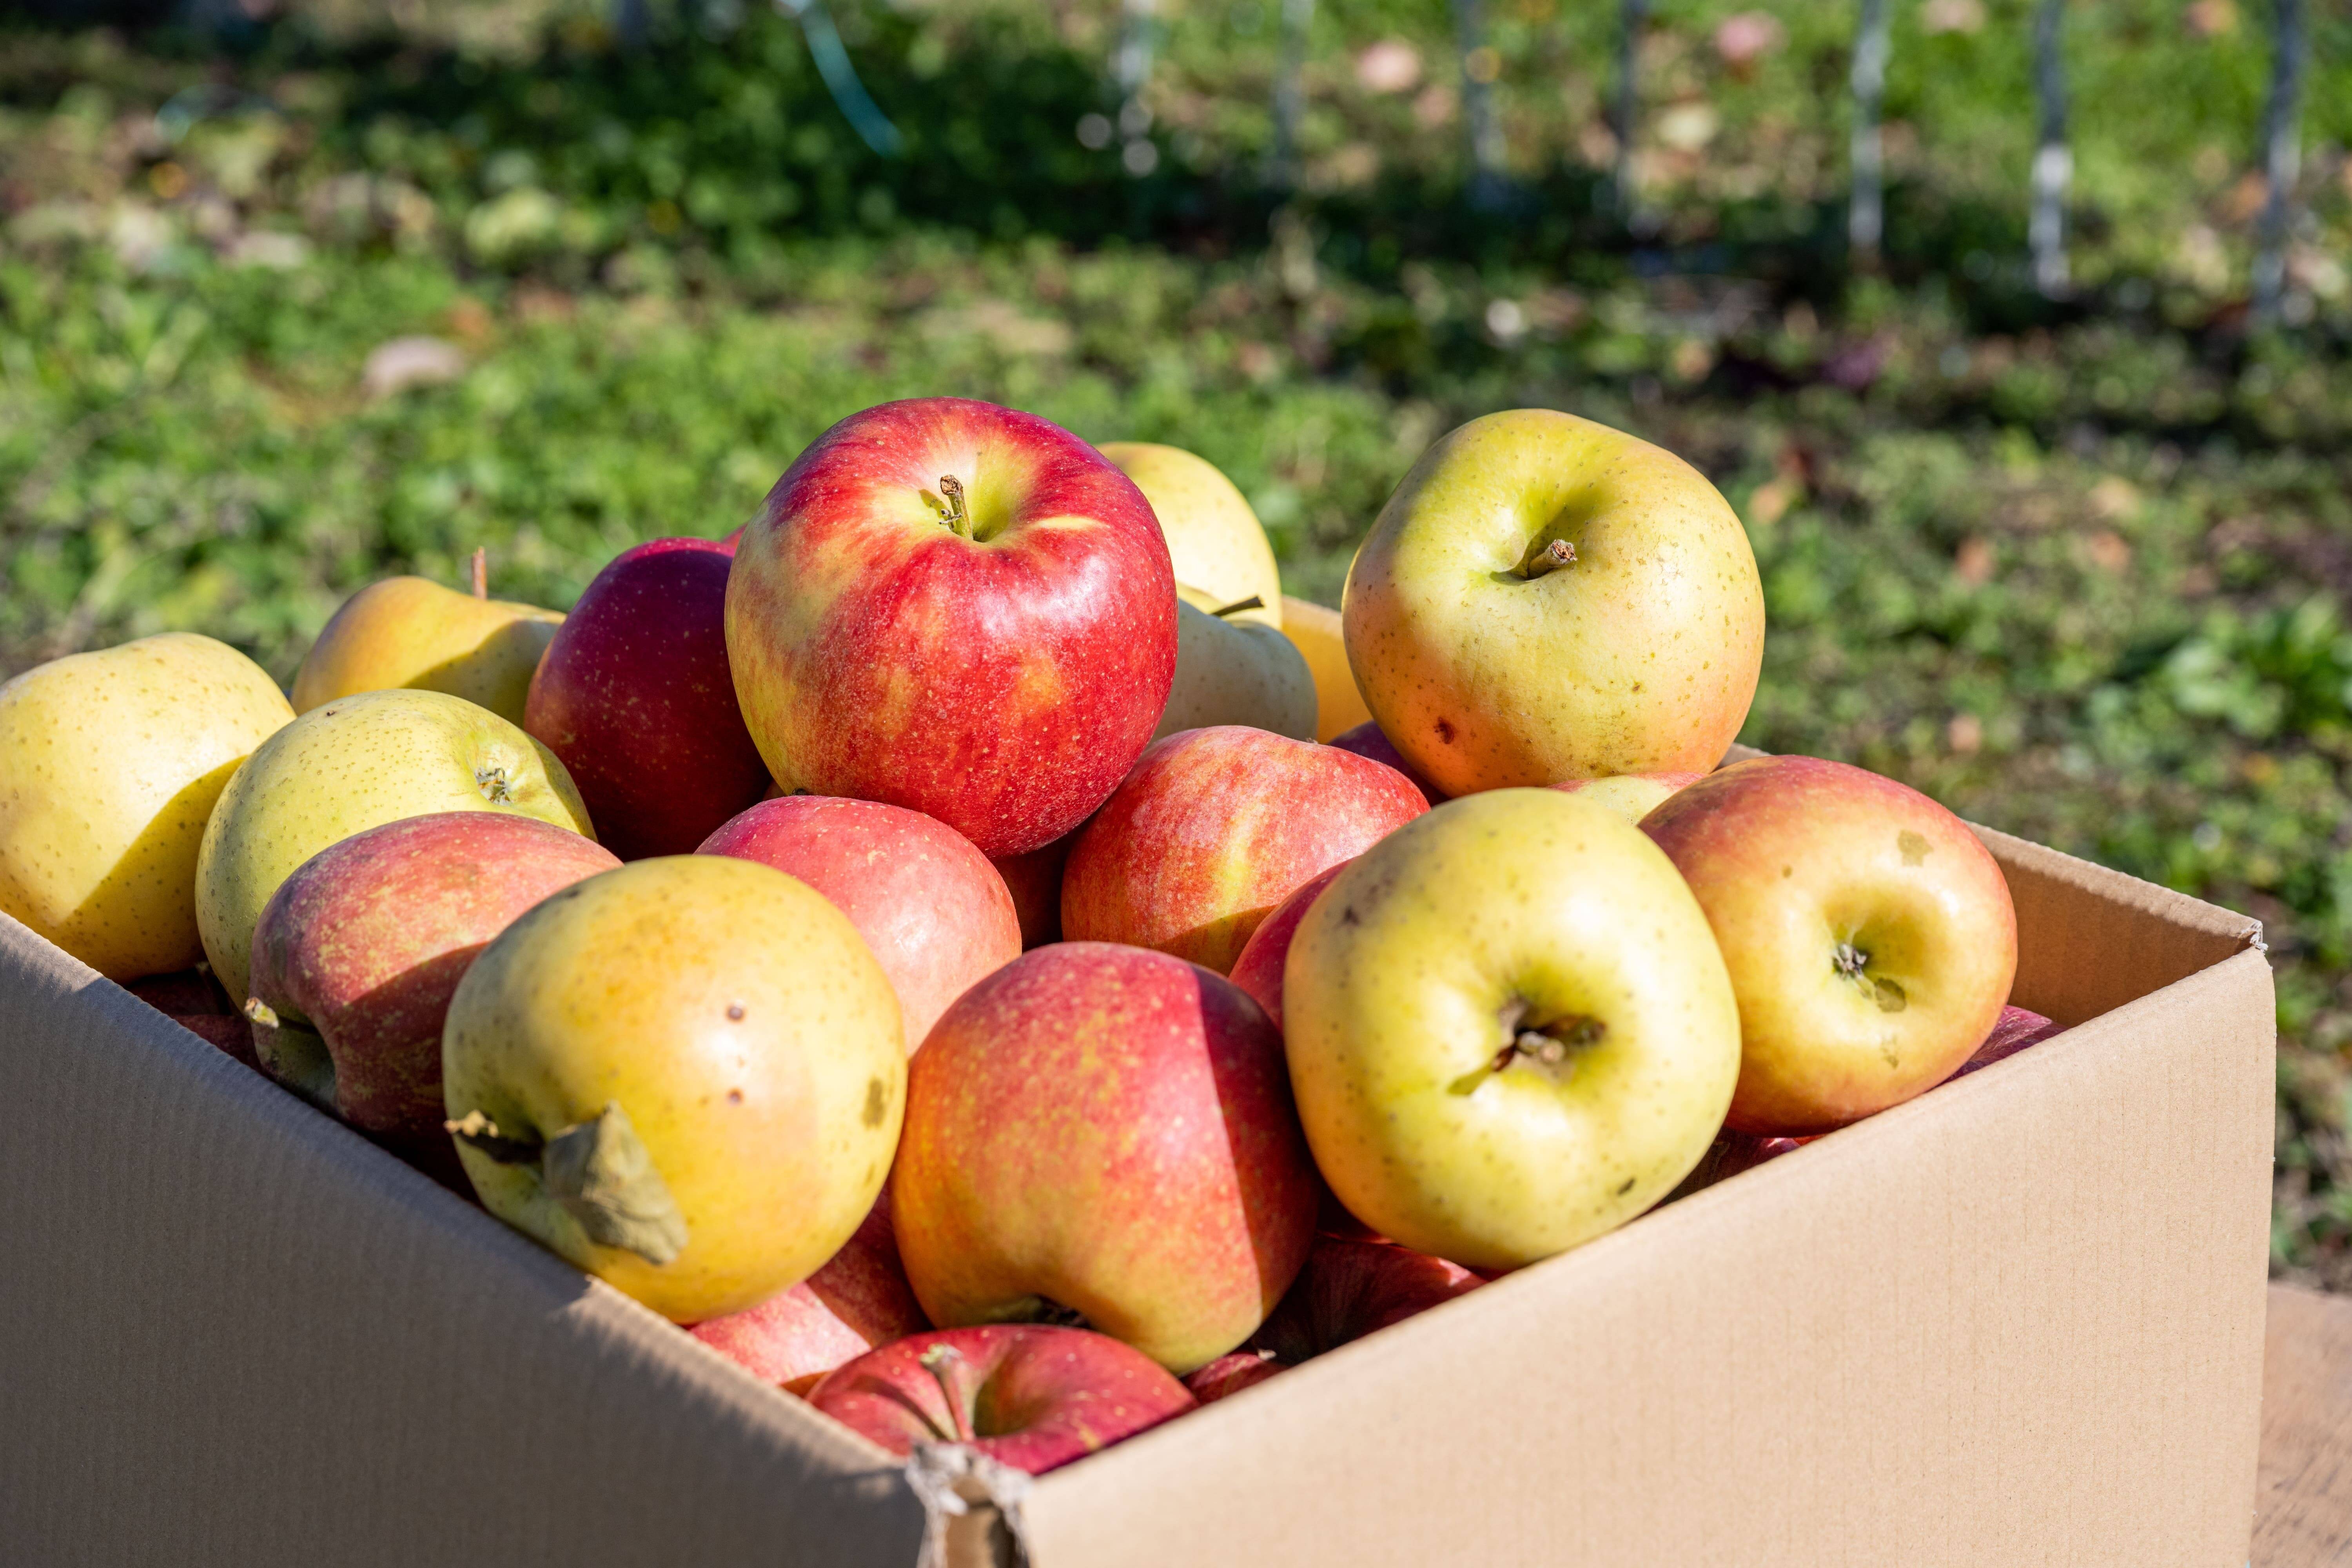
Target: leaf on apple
x=602 y=1174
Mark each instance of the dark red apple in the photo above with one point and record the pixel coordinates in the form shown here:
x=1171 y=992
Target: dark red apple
x=1034 y=879
x=2018 y=1027
x=1028 y=1395
x=1348 y=1290
x=192 y=999
x=859 y=1300
x=1258 y=970
x=634 y=695
x=1366 y=739
x=956 y=608
x=931 y=906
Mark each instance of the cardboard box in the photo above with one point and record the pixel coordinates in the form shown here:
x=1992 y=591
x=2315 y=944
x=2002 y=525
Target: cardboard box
x=2016 y=1322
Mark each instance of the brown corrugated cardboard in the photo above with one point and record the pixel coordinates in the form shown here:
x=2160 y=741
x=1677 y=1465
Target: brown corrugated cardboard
x=2016 y=1322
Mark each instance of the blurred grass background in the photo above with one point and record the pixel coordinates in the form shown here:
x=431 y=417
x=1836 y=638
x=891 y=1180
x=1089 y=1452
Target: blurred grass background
x=315 y=291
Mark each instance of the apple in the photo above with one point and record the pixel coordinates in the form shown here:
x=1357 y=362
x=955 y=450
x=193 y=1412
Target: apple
x=355 y=764
x=1030 y=1396
x=957 y=608
x=1349 y=1288
x=1870 y=937
x=634 y=695
x=858 y=1301
x=683 y=1076
x=2013 y=1031
x=357 y=953
x=1235 y=671
x=1258 y=970
x=1231 y=1372
x=1215 y=543
x=413 y=632
x=109 y=766
x=1366 y=741
x=931 y=906
x=1035 y=881
x=1545 y=598
x=1729 y=1155
x=1105 y=1135
x=1631 y=796
x=1315 y=631
x=1212 y=829
x=192 y=999
x=1509 y=1028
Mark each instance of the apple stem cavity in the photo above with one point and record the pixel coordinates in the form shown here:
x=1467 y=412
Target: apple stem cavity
x=941 y=1362
x=952 y=511
x=600 y=1173
x=494 y=784
x=1850 y=962
x=1559 y=552
x=1254 y=602
x=481 y=572
x=1552 y=1047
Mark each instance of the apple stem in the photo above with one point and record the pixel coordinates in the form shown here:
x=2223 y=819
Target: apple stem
x=1254 y=602
x=941 y=1362
x=952 y=511
x=1559 y=552
x=481 y=572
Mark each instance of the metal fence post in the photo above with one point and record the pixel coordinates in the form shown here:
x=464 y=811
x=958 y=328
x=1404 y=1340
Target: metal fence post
x=2054 y=162
x=1865 y=218
x=2282 y=155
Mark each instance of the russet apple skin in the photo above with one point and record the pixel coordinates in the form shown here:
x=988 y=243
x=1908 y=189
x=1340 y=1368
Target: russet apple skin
x=358 y=952
x=1106 y=1133
x=1641 y=655
x=1415 y=1001
x=1215 y=543
x=350 y=765
x=931 y=906
x=858 y=1301
x=634 y=694
x=1002 y=683
x=1030 y=1396
x=1258 y=970
x=1366 y=741
x=1216 y=826
x=110 y=763
x=1631 y=796
x=413 y=632
x=740 y=1022
x=1797 y=861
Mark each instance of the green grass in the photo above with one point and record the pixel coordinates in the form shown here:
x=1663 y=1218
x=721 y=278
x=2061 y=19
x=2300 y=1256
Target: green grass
x=2077 y=570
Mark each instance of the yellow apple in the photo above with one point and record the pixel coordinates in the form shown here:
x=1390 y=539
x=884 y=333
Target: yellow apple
x=1230 y=671
x=1314 y=631
x=355 y=764
x=685 y=1076
x=1214 y=539
x=1509 y=1028
x=1545 y=598
x=1631 y=796
x=110 y=765
x=412 y=632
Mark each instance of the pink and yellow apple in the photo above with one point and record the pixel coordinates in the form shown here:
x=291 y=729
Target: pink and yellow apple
x=956 y=608
x=1870 y=937
x=1104 y=1134
x=1212 y=829
x=860 y=1300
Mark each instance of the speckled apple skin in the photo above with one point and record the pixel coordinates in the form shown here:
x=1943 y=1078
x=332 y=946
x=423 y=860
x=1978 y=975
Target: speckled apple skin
x=634 y=695
x=858 y=1301
x=1003 y=685
x=931 y=906
x=1642 y=655
x=413 y=632
x=1366 y=741
x=1216 y=826
x=1031 y=1396
x=1791 y=856
x=739 y=1021
x=110 y=763
x=349 y=766
x=365 y=943
x=1108 y=1129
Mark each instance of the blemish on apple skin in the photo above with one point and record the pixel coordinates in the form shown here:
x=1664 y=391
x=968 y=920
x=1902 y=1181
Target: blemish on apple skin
x=1625 y=1186
x=734 y=1011
x=734 y=1096
x=1912 y=846
x=1445 y=732
x=878 y=1100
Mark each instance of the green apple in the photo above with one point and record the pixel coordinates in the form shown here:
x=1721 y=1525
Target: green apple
x=353 y=765
x=1509 y=1028
x=1230 y=671
x=110 y=765
x=1545 y=598
x=413 y=632
x=1215 y=541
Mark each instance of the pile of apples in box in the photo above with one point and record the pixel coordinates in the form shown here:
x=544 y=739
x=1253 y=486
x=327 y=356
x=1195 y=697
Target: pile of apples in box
x=918 y=943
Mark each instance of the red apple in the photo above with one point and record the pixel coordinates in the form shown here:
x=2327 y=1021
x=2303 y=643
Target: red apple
x=1231 y=1372
x=1028 y=1395
x=956 y=608
x=1034 y=879
x=1258 y=970
x=192 y=999
x=1348 y=1290
x=859 y=1300
x=1870 y=938
x=931 y=906
x=2016 y=1029
x=1366 y=740
x=359 y=951
x=1216 y=826
x=1104 y=1134
x=634 y=695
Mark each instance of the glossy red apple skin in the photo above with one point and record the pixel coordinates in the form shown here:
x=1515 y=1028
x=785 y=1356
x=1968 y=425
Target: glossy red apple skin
x=1003 y=684
x=634 y=695
x=1349 y=1288
x=860 y=1300
x=1258 y=970
x=1231 y=1372
x=931 y=906
x=1214 y=829
x=367 y=940
x=1108 y=1132
x=1034 y=879
x=1028 y=1395
x=1366 y=740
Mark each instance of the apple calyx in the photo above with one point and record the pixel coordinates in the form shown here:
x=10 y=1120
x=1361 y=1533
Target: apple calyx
x=293 y=1052
x=598 y=1172
x=1537 y=562
x=1852 y=963
x=494 y=784
x=1254 y=602
x=952 y=511
x=941 y=1362
x=1550 y=1047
